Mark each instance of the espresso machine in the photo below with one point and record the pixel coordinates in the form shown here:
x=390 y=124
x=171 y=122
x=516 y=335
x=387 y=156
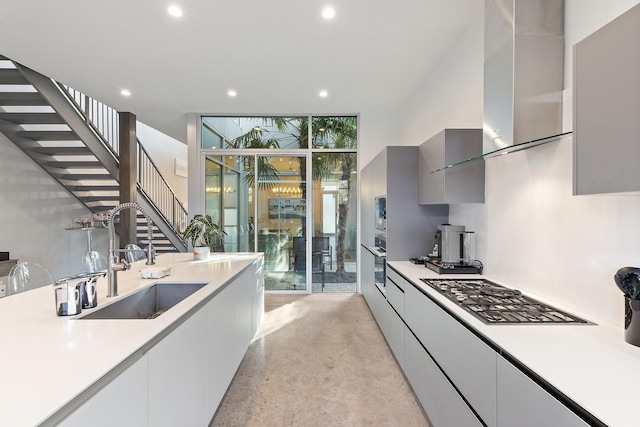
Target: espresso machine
x=455 y=252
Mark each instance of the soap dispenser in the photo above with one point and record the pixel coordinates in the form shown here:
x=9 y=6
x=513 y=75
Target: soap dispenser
x=68 y=301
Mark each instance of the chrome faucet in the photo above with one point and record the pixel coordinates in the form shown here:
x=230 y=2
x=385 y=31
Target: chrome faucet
x=113 y=266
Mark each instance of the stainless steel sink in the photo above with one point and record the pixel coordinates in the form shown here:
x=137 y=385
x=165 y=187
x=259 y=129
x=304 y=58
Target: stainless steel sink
x=147 y=303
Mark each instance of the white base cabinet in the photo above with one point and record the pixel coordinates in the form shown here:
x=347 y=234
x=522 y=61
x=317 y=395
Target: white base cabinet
x=182 y=379
x=367 y=273
x=470 y=363
x=388 y=320
x=459 y=379
x=395 y=325
x=393 y=329
x=523 y=403
x=176 y=380
x=191 y=368
x=440 y=400
x=122 y=402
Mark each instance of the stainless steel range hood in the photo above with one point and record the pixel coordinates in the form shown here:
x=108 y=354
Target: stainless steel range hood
x=523 y=71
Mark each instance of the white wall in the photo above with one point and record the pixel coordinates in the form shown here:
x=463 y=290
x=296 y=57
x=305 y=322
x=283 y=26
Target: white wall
x=377 y=129
x=447 y=98
x=532 y=233
x=35 y=210
x=451 y=96
x=164 y=150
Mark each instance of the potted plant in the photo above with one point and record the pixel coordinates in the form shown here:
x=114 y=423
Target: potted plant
x=202 y=233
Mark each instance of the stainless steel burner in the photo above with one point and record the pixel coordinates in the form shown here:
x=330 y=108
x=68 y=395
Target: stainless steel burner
x=495 y=304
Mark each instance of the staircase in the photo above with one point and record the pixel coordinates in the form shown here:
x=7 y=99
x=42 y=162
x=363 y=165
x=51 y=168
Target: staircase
x=75 y=139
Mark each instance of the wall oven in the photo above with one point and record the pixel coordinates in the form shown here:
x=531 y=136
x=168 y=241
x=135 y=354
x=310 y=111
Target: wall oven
x=380 y=270
x=380 y=241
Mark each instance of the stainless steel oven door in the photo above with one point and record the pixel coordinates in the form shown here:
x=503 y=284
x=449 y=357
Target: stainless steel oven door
x=380 y=269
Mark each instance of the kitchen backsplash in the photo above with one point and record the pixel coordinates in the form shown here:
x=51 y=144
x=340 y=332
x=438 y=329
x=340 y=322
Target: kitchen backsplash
x=534 y=235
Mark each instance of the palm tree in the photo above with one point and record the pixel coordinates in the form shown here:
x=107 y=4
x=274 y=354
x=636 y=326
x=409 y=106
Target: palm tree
x=255 y=138
x=326 y=132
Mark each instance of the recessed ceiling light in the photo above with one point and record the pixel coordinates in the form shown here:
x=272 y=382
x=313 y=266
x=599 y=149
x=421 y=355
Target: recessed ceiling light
x=174 y=11
x=328 y=13
x=232 y=93
x=323 y=93
x=125 y=92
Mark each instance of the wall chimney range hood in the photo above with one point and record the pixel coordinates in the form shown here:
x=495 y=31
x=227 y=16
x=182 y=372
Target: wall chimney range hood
x=523 y=72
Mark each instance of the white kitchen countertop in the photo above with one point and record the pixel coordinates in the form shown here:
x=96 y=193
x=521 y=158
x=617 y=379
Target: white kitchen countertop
x=591 y=364
x=48 y=361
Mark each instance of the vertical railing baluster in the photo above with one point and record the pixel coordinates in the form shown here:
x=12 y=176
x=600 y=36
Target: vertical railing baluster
x=104 y=120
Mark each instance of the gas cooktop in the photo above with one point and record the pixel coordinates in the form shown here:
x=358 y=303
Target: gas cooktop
x=495 y=304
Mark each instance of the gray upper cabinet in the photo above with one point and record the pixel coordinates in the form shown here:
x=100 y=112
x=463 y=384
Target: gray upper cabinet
x=462 y=183
x=410 y=227
x=606 y=109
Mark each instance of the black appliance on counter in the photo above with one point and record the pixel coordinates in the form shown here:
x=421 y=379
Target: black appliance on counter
x=628 y=280
x=497 y=305
x=453 y=268
x=436 y=264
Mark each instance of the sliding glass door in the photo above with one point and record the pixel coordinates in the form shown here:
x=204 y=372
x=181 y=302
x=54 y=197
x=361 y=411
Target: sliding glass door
x=286 y=187
x=281 y=208
x=223 y=198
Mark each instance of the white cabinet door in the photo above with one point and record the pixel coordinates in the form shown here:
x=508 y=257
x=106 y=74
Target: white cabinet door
x=469 y=362
x=122 y=402
x=523 y=403
x=395 y=291
x=176 y=380
x=442 y=404
x=394 y=333
x=367 y=274
x=245 y=290
x=376 y=302
x=219 y=343
x=231 y=320
x=389 y=322
x=258 y=298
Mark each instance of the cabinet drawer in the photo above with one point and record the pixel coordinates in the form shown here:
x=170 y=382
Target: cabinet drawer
x=523 y=403
x=395 y=277
x=395 y=296
x=394 y=333
x=469 y=362
x=441 y=402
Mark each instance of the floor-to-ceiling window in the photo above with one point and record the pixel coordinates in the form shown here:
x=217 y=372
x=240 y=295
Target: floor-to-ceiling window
x=286 y=186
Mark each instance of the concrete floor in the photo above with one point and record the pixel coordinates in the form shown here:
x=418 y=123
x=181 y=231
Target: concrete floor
x=319 y=360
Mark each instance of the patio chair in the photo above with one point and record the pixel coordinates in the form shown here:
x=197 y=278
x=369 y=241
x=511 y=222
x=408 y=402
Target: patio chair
x=321 y=244
x=300 y=259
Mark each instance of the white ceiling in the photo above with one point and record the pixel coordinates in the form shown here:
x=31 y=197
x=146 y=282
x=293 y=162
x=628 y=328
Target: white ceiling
x=277 y=54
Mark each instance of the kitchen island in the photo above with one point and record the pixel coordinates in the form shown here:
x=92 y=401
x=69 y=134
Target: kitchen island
x=175 y=367
x=503 y=375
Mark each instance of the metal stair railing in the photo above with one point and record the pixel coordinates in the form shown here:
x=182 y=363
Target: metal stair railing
x=153 y=185
x=100 y=117
x=104 y=121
